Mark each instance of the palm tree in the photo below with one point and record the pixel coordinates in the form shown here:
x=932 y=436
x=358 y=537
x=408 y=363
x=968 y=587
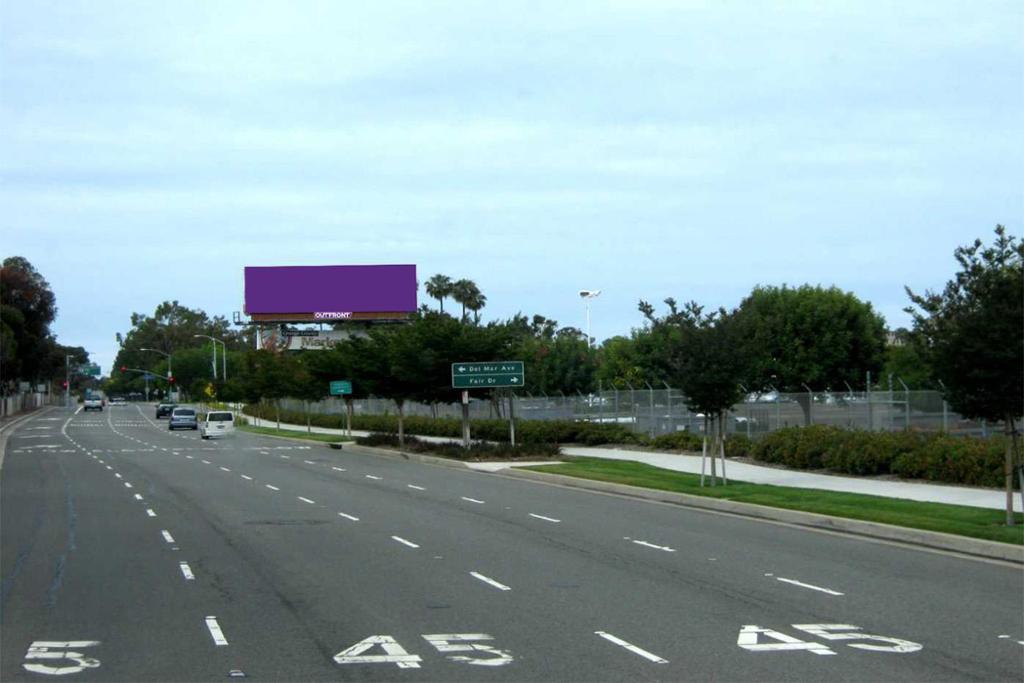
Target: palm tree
x=462 y=292
x=475 y=303
x=439 y=287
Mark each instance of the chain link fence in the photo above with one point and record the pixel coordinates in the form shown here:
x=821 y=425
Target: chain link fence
x=653 y=411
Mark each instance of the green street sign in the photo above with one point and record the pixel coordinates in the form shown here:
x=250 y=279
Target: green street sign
x=91 y=369
x=492 y=375
x=341 y=387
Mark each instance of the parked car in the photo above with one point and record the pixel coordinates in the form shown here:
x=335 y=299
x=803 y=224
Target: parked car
x=183 y=418
x=118 y=401
x=217 y=423
x=165 y=409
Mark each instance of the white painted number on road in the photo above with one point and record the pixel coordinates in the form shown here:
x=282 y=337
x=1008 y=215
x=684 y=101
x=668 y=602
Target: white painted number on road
x=849 y=632
x=459 y=642
x=394 y=653
x=53 y=651
x=749 y=636
x=749 y=639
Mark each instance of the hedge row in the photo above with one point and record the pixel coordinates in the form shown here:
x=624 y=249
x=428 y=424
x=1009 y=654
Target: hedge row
x=476 y=451
x=527 y=431
x=911 y=455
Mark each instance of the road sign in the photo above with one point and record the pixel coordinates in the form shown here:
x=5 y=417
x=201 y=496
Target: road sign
x=506 y=373
x=91 y=369
x=341 y=387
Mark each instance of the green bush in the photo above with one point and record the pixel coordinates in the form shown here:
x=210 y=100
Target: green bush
x=738 y=446
x=912 y=455
x=678 y=441
x=476 y=451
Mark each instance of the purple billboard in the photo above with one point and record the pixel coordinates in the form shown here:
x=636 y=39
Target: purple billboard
x=323 y=293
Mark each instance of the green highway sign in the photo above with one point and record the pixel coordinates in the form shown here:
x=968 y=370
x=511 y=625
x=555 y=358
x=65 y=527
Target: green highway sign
x=341 y=387
x=91 y=369
x=491 y=375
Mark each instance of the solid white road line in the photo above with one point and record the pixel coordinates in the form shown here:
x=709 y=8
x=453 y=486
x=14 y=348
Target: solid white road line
x=307 y=500
x=656 y=547
x=246 y=476
x=167 y=535
x=473 y=500
x=405 y=542
x=186 y=571
x=340 y=469
x=414 y=486
x=546 y=519
x=149 y=511
x=632 y=648
x=342 y=514
x=215 y=632
x=807 y=585
x=272 y=487
x=370 y=476
x=481 y=577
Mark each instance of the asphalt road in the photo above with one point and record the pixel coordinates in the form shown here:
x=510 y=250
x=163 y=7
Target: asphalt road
x=130 y=553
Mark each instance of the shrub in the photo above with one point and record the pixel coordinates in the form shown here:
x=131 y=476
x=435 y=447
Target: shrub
x=738 y=446
x=678 y=441
x=476 y=450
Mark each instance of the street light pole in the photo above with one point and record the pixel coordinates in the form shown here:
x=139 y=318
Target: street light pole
x=587 y=295
x=224 y=355
x=67 y=381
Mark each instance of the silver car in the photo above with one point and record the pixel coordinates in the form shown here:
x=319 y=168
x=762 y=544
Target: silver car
x=183 y=418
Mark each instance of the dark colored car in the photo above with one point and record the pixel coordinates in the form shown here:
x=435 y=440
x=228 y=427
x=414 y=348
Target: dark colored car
x=183 y=418
x=165 y=409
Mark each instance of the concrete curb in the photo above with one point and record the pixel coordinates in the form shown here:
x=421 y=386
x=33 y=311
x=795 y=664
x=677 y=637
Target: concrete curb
x=14 y=423
x=293 y=438
x=914 y=537
x=415 y=457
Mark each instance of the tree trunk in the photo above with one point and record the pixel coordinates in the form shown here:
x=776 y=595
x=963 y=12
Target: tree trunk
x=804 y=401
x=277 y=408
x=401 y=423
x=1009 y=466
x=704 y=451
x=309 y=430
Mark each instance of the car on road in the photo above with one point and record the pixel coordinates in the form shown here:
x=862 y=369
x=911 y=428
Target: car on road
x=92 y=401
x=217 y=423
x=165 y=409
x=183 y=418
x=118 y=401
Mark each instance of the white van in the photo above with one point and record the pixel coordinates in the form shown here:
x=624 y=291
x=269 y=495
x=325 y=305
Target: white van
x=217 y=423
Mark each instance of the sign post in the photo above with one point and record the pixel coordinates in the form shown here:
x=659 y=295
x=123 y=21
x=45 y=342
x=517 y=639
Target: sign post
x=343 y=387
x=490 y=375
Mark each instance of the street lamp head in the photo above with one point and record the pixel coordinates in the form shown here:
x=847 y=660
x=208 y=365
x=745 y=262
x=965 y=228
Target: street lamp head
x=589 y=293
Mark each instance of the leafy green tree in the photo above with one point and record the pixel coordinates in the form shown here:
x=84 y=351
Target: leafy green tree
x=822 y=338
x=558 y=361
x=908 y=363
x=27 y=308
x=973 y=336
x=697 y=352
x=621 y=361
x=439 y=287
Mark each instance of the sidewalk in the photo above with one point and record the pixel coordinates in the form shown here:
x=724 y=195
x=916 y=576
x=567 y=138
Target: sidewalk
x=753 y=474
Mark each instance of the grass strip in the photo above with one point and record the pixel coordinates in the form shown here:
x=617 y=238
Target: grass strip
x=950 y=519
x=291 y=434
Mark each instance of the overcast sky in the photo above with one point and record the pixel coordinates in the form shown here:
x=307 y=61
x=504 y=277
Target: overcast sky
x=151 y=150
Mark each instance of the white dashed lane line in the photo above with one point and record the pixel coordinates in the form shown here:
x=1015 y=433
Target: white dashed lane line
x=149 y=512
x=405 y=542
x=207 y=462
x=138 y=496
x=371 y=476
x=118 y=475
x=307 y=500
x=340 y=469
x=186 y=571
x=167 y=535
x=225 y=469
x=272 y=487
x=656 y=547
x=246 y=476
x=215 y=632
x=632 y=648
x=794 y=582
x=473 y=500
x=414 y=486
x=490 y=581
x=127 y=485
x=309 y=462
x=342 y=514
x=546 y=519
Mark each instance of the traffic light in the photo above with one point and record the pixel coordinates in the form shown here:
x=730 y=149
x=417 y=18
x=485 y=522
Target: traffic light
x=124 y=368
x=64 y=384
x=170 y=379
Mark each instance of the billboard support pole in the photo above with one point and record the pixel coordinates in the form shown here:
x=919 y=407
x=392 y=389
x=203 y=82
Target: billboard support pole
x=512 y=417
x=348 y=415
x=465 y=419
